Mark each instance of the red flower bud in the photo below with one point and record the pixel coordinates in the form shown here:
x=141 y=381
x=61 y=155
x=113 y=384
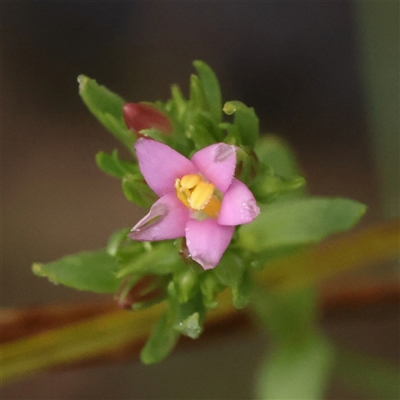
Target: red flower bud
x=140 y=116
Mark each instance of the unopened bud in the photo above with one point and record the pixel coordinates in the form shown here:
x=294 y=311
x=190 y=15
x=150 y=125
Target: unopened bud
x=139 y=116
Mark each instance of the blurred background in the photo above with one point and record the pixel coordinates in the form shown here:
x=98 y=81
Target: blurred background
x=322 y=75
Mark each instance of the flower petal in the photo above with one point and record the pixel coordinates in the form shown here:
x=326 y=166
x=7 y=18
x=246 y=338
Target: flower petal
x=238 y=205
x=207 y=241
x=217 y=163
x=160 y=165
x=166 y=220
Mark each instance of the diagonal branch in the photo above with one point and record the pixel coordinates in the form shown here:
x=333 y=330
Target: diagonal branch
x=46 y=337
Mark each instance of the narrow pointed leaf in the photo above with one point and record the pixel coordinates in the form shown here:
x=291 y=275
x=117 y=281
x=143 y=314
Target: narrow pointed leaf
x=161 y=341
x=211 y=89
x=106 y=106
x=112 y=165
x=94 y=271
x=246 y=121
x=296 y=371
x=137 y=191
x=300 y=221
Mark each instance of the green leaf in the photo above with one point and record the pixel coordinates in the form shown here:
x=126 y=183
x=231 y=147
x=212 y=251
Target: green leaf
x=376 y=378
x=115 y=241
x=211 y=89
x=296 y=371
x=288 y=317
x=112 y=165
x=178 y=103
x=246 y=121
x=267 y=188
x=106 y=106
x=300 y=221
x=232 y=135
x=162 y=258
x=94 y=271
x=185 y=284
x=137 y=191
x=161 y=341
x=230 y=269
x=301 y=359
x=201 y=130
x=241 y=292
x=210 y=287
x=196 y=95
x=274 y=152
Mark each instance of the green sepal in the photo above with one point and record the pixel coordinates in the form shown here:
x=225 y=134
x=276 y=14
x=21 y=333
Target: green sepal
x=299 y=221
x=137 y=191
x=246 y=121
x=94 y=271
x=161 y=341
x=211 y=89
x=106 y=106
x=112 y=165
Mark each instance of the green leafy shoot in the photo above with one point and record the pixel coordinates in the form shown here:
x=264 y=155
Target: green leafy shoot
x=94 y=271
x=106 y=106
x=246 y=121
x=161 y=341
x=112 y=165
x=299 y=222
x=211 y=89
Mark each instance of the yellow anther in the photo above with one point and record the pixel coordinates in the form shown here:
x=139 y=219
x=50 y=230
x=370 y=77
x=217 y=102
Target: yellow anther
x=213 y=207
x=181 y=193
x=201 y=195
x=198 y=195
x=190 y=181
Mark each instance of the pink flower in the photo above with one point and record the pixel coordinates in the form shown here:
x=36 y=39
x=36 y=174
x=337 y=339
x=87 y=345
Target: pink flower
x=199 y=198
x=140 y=116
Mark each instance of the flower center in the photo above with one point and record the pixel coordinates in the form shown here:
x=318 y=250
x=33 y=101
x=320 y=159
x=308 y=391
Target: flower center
x=197 y=194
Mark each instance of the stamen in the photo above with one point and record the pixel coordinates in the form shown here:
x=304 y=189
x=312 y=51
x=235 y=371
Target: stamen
x=201 y=195
x=213 y=207
x=198 y=195
x=190 y=181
